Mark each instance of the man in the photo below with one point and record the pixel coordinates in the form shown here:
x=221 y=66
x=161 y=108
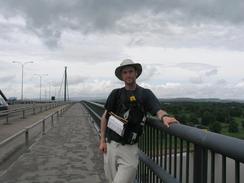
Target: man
x=131 y=103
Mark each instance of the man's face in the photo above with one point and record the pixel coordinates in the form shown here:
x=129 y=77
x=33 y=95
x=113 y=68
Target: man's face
x=129 y=75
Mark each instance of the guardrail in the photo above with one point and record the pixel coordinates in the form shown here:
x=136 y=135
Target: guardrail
x=23 y=110
x=184 y=154
x=25 y=137
x=12 y=102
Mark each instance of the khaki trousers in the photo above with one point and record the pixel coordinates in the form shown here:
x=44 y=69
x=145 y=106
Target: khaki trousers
x=120 y=162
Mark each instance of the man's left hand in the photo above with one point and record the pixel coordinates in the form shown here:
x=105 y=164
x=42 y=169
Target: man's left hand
x=167 y=120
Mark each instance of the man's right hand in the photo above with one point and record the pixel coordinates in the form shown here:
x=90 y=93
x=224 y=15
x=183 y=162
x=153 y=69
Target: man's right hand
x=103 y=147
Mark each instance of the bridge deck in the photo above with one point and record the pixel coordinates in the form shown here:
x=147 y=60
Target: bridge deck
x=67 y=153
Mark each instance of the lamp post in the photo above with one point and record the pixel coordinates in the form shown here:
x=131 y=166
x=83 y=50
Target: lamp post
x=40 y=75
x=22 y=80
x=50 y=85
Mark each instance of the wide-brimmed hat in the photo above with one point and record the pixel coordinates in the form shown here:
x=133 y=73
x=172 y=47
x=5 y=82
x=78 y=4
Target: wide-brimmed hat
x=125 y=63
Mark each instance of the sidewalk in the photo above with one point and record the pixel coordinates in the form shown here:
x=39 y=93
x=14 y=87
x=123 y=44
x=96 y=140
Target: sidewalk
x=68 y=153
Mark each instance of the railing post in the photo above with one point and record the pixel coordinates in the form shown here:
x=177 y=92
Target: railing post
x=43 y=127
x=23 y=114
x=61 y=112
x=7 y=118
x=27 y=137
x=200 y=164
x=58 y=115
x=52 y=121
x=34 y=110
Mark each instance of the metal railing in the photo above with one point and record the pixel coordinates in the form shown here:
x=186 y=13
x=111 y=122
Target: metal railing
x=22 y=111
x=13 y=102
x=182 y=153
x=25 y=137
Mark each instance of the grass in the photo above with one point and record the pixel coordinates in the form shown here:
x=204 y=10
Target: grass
x=239 y=134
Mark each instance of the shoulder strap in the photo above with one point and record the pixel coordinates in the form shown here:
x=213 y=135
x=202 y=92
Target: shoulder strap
x=118 y=99
x=140 y=97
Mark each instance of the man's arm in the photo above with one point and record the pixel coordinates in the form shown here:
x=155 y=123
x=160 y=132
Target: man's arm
x=103 y=145
x=165 y=118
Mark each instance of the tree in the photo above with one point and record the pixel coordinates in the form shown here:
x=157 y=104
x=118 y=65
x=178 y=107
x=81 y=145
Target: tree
x=182 y=118
x=221 y=115
x=235 y=111
x=228 y=119
x=242 y=123
x=193 y=118
x=215 y=127
x=233 y=127
x=207 y=118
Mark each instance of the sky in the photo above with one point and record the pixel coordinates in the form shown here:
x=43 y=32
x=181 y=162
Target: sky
x=187 y=48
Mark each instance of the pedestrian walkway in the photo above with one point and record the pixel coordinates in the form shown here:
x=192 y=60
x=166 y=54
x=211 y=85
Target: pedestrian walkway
x=68 y=153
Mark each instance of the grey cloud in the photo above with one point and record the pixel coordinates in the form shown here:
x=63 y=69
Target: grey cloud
x=202 y=70
x=221 y=82
x=240 y=84
x=3 y=66
x=49 y=36
x=196 y=80
x=4 y=29
x=6 y=79
x=136 y=41
x=72 y=81
x=148 y=72
x=197 y=67
x=199 y=91
x=48 y=19
x=75 y=80
x=116 y=82
x=211 y=72
x=55 y=84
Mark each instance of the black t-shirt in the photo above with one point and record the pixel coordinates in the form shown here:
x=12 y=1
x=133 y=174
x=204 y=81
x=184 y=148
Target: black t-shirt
x=115 y=103
x=148 y=99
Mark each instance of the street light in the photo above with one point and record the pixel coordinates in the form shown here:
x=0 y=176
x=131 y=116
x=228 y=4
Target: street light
x=40 y=75
x=22 y=69
x=50 y=85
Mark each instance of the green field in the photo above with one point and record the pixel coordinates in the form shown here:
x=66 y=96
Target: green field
x=209 y=114
x=239 y=134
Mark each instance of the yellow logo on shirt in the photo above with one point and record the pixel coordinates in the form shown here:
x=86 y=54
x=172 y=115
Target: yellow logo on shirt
x=132 y=98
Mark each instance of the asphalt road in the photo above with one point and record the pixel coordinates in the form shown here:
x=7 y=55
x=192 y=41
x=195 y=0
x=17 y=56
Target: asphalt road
x=17 y=123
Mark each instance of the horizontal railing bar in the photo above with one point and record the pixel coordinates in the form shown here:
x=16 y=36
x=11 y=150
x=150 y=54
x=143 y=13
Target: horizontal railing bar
x=160 y=172
x=7 y=140
x=9 y=111
x=99 y=117
x=229 y=146
x=97 y=129
x=35 y=124
x=21 y=108
x=97 y=104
